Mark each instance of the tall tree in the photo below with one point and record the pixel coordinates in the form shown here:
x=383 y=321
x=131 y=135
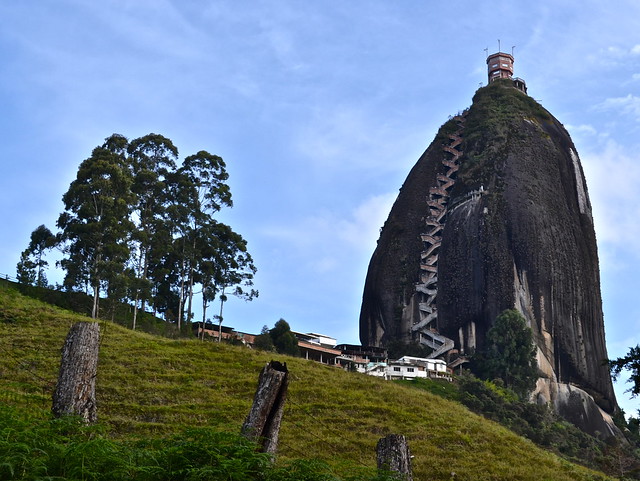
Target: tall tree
x=208 y=175
x=96 y=223
x=197 y=191
x=151 y=158
x=225 y=267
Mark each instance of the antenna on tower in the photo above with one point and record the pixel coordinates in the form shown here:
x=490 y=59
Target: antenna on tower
x=512 y=50
x=498 y=45
x=486 y=51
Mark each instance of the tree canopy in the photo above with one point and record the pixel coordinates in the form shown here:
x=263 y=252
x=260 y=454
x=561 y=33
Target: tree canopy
x=30 y=269
x=630 y=362
x=139 y=227
x=283 y=339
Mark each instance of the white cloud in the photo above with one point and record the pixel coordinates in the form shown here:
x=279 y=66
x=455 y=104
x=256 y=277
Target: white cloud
x=629 y=105
x=613 y=176
x=635 y=50
x=353 y=137
x=582 y=129
x=324 y=240
x=362 y=229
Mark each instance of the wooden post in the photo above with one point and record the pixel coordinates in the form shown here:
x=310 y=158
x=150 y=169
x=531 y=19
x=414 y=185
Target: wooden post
x=394 y=455
x=75 y=392
x=263 y=421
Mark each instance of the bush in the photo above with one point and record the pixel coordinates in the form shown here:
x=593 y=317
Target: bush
x=66 y=449
x=509 y=354
x=537 y=423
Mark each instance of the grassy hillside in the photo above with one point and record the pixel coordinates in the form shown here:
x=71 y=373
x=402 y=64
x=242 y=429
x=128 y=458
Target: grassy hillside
x=152 y=386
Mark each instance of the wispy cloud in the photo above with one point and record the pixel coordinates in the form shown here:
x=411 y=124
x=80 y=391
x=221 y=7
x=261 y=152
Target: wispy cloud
x=629 y=105
x=582 y=129
x=613 y=176
x=353 y=137
x=324 y=240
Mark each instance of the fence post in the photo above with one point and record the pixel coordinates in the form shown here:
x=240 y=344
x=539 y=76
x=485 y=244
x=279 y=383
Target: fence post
x=263 y=421
x=394 y=455
x=75 y=392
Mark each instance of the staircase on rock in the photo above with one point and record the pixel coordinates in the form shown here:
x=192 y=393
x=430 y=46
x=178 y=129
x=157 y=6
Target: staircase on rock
x=427 y=287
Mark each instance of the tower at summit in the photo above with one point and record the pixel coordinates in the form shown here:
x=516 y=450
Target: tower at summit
x=500 y=65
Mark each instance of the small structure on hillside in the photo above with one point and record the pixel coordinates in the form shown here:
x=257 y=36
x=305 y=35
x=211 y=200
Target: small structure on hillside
x=225 y=333
x=318 y=347
x=408 y=367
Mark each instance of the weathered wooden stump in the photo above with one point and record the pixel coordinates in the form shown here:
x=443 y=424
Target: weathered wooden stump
x=263 y=421
x=394 y=455
x=75 y=392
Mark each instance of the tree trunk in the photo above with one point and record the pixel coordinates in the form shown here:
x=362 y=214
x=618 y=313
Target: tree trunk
x=75 y=392
x=145 y=273
x=96 y=297
x=222 y=299
x=205 y=304
x=394 y=455
x=181 y=297
x=191 y=275
x=263 y=422
x=135 y=311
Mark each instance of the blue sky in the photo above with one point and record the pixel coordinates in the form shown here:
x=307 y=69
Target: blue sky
x=320 y=109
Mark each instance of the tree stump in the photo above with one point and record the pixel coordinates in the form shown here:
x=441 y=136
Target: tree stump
x=394 y=455
x=75 y=392
x=263 y=421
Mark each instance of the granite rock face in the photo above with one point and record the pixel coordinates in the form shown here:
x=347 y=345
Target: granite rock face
x=516 y=232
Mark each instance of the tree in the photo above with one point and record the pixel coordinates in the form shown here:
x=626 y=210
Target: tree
x=138 y=228
x=151 y=159
x=263 y=341
x=96 y=223
x=203 y=178
x=225 y=268
x=30 y=269
x=42 y=239
x=26 y=269
x=509 y=354
x=630 y=362
x=283 y=339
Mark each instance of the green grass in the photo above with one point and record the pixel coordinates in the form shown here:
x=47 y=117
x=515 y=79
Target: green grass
x=154 y=387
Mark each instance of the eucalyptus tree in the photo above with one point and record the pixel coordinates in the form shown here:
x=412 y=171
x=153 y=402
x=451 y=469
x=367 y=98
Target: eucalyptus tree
x=197 y=190
x=152 y=158
x=95 y=226
x=225 y=267
x=207 y=175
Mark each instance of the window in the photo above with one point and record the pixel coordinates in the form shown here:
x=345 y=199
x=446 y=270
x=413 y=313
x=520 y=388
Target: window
x=495 y=65
x=505 y=65
x=409 y=369
x=396 y=369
